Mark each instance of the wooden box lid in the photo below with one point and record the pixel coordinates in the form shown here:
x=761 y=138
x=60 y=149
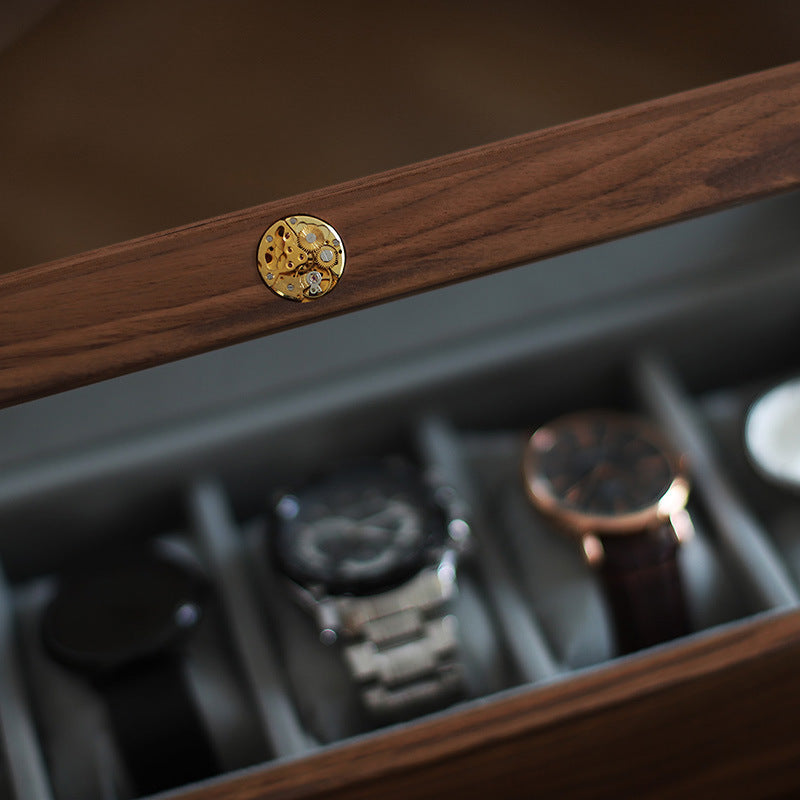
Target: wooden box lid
x=181 y=292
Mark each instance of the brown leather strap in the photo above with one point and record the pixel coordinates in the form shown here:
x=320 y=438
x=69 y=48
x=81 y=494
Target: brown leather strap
x=644 y=588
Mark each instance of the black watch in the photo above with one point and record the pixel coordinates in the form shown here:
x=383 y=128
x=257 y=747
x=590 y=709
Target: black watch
x=122 y=626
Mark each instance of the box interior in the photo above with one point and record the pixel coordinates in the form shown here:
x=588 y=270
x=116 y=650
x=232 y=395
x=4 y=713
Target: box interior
x=683 y=323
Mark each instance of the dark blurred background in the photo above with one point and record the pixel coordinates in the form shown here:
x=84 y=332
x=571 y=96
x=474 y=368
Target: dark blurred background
x=120 y=118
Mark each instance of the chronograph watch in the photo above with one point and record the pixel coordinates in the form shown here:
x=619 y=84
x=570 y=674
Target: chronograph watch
x=371 y=552
x=611 y=481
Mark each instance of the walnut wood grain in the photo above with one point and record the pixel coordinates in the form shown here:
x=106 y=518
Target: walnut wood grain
x=710 y=717
x=195 y=288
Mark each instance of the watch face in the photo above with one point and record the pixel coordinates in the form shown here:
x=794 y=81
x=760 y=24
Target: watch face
x=772 y=434
x=115 y=616
x=602 y=471
x=357 y=531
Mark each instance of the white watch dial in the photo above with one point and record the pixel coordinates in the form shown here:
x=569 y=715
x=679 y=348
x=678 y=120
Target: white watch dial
x=772 y=433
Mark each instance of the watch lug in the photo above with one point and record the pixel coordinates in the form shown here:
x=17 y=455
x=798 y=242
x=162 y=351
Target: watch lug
x=455 y=509
x=328 y=620
x=314 y=601
x=446 y=572
x=459 y=533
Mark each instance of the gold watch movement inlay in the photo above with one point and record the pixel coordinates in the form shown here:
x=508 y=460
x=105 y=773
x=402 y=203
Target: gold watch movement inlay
x=301 y=257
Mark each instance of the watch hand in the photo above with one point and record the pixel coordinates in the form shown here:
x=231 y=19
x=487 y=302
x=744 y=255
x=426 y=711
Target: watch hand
x=393 y=509
x=577 y=482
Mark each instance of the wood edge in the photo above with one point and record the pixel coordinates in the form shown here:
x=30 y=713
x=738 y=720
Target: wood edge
x=775 y=74
x=425 y=743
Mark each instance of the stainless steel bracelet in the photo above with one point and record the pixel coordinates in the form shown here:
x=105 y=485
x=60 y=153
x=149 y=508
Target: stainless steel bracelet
x=404 y=653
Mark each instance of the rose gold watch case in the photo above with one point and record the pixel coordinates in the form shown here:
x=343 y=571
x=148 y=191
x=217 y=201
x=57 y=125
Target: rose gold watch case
x=579 y=524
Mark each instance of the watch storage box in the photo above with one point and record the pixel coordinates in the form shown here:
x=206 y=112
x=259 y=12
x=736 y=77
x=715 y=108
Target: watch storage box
x=671 y=322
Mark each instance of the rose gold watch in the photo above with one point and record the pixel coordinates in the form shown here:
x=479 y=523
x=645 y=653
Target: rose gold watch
x=612 y=482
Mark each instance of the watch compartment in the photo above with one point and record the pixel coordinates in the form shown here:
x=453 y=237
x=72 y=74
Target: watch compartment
x=589 y=329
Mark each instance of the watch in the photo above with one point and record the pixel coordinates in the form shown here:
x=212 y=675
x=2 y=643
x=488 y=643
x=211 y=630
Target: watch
x=611 y=481
x=371 y=552
x=123 y=626
x=772 y=434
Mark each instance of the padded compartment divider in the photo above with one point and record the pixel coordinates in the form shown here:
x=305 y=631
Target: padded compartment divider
x=527 y=645
x=24 y=759
x=739 y=533
x=548 y=567
x=221 y=544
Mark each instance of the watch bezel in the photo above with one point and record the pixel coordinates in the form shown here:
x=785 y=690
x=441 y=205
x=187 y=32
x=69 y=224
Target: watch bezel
x=577 y=523
x=435 y=538
x=167 y=635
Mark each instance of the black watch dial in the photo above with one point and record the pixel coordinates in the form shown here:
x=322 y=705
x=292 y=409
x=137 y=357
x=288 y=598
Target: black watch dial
x=603 y=465
x=122 y=613
x=359 y=530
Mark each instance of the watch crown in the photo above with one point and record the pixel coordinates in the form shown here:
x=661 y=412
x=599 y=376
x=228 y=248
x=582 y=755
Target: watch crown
x=593 y=551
